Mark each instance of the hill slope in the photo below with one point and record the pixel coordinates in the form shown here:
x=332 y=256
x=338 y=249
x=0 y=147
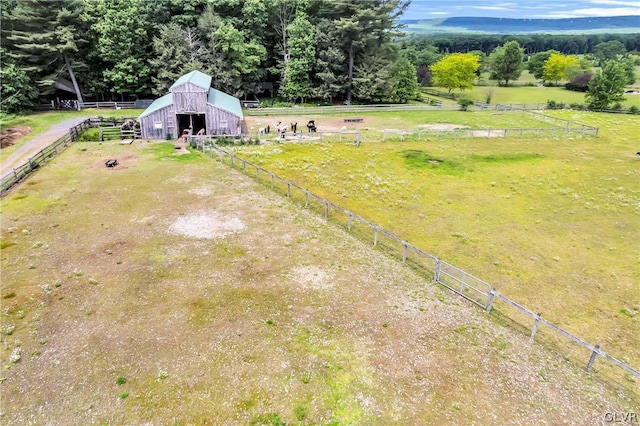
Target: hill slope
x=612 y=24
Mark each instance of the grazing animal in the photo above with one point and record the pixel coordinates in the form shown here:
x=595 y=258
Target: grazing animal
x=637 y=153
x=294 y=126
x=282 y=130
x=262 y=130
x=342 y=129
x=201 y=132
x=311 y=125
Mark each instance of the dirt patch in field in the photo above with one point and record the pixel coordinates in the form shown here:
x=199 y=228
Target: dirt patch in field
x=9 y=135
x=124 y=162
x=323 y=123
x=206 y=225
x=443 y=126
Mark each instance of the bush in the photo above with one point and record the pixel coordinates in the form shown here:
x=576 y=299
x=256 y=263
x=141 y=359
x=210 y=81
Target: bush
x=634 y=110
x=555 y=105
x=580 y=83
x=464 y=101
x=90 y=135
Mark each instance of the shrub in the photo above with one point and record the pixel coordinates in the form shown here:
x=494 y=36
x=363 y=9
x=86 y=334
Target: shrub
x=634 y=110
x=580 y=83
x=464 y=101
x=90 y=135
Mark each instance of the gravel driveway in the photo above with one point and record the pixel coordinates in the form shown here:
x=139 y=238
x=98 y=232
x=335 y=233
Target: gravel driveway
x=36 y=144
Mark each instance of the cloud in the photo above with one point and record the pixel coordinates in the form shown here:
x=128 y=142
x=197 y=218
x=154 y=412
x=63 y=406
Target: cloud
x=438 y=13
x=616 y=3
x=593 y=12
x=488 y=7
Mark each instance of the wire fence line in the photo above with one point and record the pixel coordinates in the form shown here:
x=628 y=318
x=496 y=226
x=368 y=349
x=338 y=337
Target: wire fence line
x=431 y=267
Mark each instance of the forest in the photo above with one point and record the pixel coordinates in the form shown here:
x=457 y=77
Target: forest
x=320 y=50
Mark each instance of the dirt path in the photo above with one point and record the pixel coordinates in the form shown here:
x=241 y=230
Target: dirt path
x=37 y=143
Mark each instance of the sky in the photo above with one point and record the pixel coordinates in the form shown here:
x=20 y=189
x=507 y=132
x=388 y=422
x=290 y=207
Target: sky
x=539 y=9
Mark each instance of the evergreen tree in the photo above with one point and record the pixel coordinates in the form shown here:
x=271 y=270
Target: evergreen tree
x=44 y=38
x=330 y=69
x=17 y=92
x=607 y=86
x=506 y=62
x=177 y=51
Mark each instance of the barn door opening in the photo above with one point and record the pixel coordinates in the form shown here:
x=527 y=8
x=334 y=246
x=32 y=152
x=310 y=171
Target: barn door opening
x=195 y=122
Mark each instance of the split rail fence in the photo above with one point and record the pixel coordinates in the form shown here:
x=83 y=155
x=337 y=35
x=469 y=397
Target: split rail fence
x=429 y=266
x=16 y=175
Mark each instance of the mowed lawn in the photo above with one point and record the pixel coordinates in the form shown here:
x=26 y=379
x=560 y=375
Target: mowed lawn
x=173 y=290
x=554 y=224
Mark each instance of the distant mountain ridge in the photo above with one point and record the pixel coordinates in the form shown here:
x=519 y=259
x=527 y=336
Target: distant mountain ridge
x=629 y=24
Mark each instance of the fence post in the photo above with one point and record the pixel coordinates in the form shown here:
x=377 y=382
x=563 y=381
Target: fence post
x=535 y=326
x=288 y=189
x=258 y=173
x=404 y=252
x=272 y=178
x=326 y=209
x=306 y=198
x=436 y=276
x=594 y=354
x=232 y=161
x=220 y=152
x=349 y=222
x=375 y=236
x=492 y=294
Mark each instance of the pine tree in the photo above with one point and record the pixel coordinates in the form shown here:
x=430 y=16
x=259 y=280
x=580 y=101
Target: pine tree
x=44 y=38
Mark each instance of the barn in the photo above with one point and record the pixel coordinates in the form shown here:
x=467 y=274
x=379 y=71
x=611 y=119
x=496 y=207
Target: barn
x=192 y=104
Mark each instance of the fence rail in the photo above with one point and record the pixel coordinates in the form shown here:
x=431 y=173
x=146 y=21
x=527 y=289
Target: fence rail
x=42 y=156
x=349 y=109
x=466 y=285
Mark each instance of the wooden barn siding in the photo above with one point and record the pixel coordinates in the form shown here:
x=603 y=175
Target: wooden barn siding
x=189 y=98
x=146 y=124
x=213 y=118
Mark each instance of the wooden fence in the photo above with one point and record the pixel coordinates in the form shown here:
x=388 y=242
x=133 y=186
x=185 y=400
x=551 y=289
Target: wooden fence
x=44 y=155
x=457 y=280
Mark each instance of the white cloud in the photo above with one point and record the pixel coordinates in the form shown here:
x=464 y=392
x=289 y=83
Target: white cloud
x=438 y=13
x=488 y=7
x=616 y=2
x=592 y=12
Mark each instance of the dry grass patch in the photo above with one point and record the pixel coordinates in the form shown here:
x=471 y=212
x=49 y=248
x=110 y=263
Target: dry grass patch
x=286 y=318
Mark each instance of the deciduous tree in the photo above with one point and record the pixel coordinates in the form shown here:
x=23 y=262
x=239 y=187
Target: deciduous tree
x=557 y=67
x=456 y=71
x=506 y=62
x=607 y=86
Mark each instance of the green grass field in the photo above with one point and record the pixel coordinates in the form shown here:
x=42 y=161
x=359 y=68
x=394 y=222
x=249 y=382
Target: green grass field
x=41 y=121
x=174 y=290
x=551 y=223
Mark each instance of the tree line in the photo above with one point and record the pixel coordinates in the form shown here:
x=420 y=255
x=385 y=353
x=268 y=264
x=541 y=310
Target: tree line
x=312 y=49
x=321 y=50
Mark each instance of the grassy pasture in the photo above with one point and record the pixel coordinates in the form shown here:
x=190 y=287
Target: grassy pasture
x=551 y=223
x=41 y=121
x=109 y=317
